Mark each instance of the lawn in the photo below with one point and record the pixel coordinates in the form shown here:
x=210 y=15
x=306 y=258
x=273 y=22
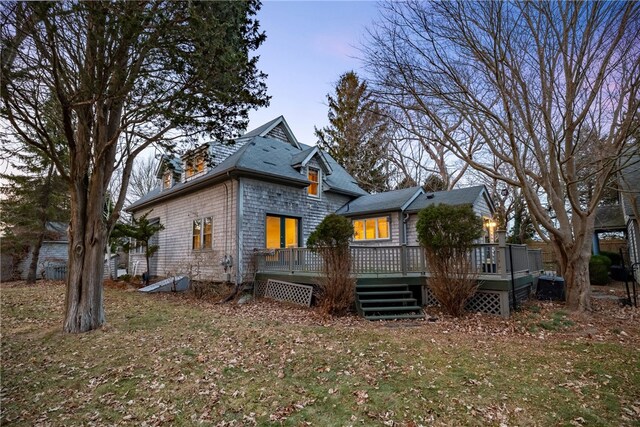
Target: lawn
x=173 y=360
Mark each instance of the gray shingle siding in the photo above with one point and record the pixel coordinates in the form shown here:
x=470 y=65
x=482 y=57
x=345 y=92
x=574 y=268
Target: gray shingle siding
x=261 y=198
x=279 y=133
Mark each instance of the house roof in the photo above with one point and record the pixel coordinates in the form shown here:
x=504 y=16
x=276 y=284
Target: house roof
x=459 y=196
x=266 y=128
x=609 y=218
x=173 y=161
x=381 y=202
x=264 y=158
x=56 y=231
x=411 y=200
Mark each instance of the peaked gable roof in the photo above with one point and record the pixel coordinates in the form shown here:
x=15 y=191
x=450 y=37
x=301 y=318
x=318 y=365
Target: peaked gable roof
x=302 y=159
x=394 y=200
x=459 y=196
x=262 y=158
x=277 y=128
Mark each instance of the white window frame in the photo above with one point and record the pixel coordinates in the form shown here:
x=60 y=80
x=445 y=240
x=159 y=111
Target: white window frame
x=377 y=228
x=190 y=165
x=318 y=183
x=202 y=233
x=164 y=175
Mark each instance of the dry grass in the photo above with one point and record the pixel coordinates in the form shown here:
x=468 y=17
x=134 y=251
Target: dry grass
x=170 y=359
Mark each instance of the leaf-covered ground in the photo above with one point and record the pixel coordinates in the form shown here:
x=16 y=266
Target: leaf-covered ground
x=172 y=360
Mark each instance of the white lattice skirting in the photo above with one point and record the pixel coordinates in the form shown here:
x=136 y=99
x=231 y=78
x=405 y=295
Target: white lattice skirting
x=490 y=302
x=289 y=292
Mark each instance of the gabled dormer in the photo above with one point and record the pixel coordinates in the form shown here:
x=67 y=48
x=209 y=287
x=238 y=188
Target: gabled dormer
x=169 y=172
x=275 y=129
x=195 y=162
x=312 y=163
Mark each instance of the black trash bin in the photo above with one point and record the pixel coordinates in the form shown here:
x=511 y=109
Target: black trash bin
x=618 y=273
x=550 y=288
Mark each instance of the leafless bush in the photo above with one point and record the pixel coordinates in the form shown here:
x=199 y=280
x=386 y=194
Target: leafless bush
x=453 y=281
x=331 y=240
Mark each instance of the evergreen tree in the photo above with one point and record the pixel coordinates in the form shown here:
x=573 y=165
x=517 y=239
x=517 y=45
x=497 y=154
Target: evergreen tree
x=32 y=198
x=143 y=231
x=125 y=76
x=357 y=135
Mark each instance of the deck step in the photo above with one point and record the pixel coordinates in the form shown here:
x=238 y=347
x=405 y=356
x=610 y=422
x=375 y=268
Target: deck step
x=388 y=285
x=383 y=293
x=394 y=316
x=388 y=300
x=396 y=308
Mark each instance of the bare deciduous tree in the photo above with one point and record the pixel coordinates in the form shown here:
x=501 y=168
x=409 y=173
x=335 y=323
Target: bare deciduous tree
x=526 y=81
x=143 y=178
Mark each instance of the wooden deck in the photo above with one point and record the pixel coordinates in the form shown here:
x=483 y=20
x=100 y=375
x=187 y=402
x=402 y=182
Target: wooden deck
x=506 y=273
x=492 y=261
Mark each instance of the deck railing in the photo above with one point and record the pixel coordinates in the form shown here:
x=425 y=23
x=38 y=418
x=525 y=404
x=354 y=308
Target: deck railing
x=489 y=259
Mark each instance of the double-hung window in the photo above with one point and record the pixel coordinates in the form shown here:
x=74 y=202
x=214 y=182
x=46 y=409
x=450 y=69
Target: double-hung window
x=166 y=180
x=313 y=175
x=202 y=233
x=371 y=229
x=194 y=166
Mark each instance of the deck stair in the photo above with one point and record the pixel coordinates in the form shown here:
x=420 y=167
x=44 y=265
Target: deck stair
x=387 y=302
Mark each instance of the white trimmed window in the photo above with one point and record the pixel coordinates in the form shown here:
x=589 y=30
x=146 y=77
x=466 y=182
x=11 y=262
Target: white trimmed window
x=194 y=166
x=313 y=189
x=202 y=234
x=167 y=180
x=371 y=229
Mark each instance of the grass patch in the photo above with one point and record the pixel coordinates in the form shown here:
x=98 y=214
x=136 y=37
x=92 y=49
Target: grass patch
x=168 y=359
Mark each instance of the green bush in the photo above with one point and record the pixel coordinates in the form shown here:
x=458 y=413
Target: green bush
x=447 y=234
x=599 y=270
x=615 y=258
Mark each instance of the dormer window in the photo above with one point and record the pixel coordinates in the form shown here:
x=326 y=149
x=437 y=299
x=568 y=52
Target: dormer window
x=194 y=167
x=167 y=180
x=313 y=189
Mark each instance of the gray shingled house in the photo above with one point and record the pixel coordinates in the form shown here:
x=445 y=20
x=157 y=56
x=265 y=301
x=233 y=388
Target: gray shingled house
x=390 y=218
x=221 y=201
x=223 y=204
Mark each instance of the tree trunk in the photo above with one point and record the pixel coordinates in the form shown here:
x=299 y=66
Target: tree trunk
x=87 y=239
x=573 y=259
x=44 y=205
x=578 y=286
x=35 y=254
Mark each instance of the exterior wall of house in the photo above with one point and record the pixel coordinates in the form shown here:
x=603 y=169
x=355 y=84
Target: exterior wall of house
x=260 y=198
x=279 y=133
x=175 y=254
x=51 y=253
x=395 y=228
x=481 y=208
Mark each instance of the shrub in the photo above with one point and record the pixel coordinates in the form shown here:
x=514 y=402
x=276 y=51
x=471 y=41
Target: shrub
x=615 y=258
x=447 y=234
x=599 y=270
x=331 y=240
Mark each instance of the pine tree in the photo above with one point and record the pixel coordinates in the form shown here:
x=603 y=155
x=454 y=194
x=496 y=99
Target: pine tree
x=33 y=197
x=357 y=135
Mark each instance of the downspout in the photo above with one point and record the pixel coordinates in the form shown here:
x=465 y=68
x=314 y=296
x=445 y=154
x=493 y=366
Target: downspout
x=239 y=219
x=405 y=219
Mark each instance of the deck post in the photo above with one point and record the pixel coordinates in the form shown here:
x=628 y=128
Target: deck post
x=403 y=259
x=291 y=257
x=501 y=253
